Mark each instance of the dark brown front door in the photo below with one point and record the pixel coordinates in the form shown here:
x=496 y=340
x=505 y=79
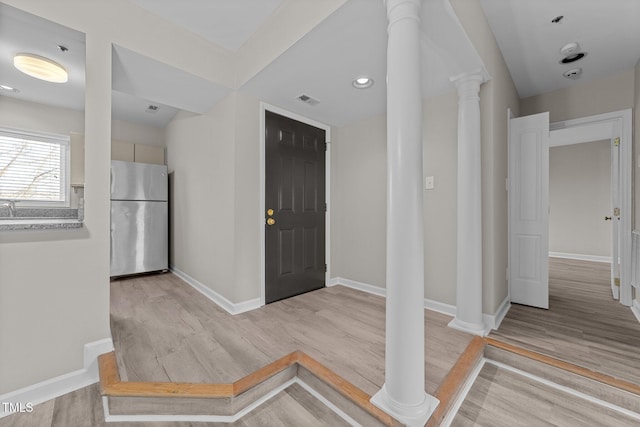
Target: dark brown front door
x=295 y=207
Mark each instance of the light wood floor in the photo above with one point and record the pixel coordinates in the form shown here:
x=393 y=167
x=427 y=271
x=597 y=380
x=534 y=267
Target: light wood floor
x=164 y=330
x=583 y=325
x=294 y=406
x=500 y=398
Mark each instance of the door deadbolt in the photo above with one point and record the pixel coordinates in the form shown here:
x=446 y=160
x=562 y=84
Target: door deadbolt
x=270 y=212
x=271 y=221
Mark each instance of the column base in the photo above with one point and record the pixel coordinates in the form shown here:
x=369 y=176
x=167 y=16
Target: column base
x=411 y=416
x=471 y=328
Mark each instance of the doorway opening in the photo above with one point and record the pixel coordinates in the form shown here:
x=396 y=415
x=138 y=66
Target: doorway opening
x=294 y=204
x=530 y=139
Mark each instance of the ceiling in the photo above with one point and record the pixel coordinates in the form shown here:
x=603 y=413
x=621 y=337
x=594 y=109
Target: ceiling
x=227 y=23
x=313 y=65
x=23 y=32
x=530 y=43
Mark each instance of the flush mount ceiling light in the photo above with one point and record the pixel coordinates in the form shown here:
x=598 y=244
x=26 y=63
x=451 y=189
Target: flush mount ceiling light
x=362 y=82
x=40 y=67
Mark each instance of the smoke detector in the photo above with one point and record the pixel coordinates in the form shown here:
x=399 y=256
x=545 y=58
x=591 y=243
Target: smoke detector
x=308 y=100
x=573 y=74
x=152 y=109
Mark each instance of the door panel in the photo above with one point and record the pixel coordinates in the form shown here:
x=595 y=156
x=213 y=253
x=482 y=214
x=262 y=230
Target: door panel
x=295 y=190
x=529 y=210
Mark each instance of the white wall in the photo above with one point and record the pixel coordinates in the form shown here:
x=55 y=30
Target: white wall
x=359 y=183
x=612 y=93
x=54 y=285
x=495 y=97
x=359 y=200
x=213 y=162
x=33 y=116
x=580 y=198
x=54 y=293
x=636 y=147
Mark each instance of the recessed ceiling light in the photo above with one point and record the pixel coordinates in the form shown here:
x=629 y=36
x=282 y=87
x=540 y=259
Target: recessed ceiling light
x=9 y=88
x=363 y=82
x=573 y=58
x=40 y=67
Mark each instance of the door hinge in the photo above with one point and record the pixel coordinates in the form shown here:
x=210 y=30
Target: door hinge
x=616 y=142
x=325 y=268
x=325 y=146
x=616 y=281
x=616 y=211
x=325 y=207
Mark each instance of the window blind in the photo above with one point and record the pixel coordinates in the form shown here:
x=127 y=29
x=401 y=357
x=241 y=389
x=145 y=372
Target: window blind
x=33 y=166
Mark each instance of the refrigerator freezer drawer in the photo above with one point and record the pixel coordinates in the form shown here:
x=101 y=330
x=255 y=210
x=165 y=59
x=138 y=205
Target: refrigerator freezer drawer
x=138 y=181
x=139 y=237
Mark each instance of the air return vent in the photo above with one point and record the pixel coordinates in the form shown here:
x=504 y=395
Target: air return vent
x=308 y=100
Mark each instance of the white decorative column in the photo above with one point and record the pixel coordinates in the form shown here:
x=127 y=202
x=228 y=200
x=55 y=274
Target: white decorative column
x=469 y=210
x=403 y=395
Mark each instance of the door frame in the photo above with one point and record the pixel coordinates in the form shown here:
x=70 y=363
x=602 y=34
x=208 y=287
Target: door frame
x=263 y=169
x=607 y=123
x=595 y=128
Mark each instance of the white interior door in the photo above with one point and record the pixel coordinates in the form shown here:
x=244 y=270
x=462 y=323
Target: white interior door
x=529 y=210
x=615 y=218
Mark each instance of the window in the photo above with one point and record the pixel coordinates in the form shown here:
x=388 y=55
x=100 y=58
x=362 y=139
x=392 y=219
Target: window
x=34 y=168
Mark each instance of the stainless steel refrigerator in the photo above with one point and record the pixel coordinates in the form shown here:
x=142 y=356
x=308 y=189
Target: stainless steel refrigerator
x=139 y=218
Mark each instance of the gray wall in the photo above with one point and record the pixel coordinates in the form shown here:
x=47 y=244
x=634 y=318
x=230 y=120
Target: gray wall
x=580 y=198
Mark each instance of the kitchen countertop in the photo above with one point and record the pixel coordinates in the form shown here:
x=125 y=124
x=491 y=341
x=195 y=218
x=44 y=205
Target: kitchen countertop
x=42 y=219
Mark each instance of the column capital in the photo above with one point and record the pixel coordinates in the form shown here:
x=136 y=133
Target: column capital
x=398 y=10
x=481 y=75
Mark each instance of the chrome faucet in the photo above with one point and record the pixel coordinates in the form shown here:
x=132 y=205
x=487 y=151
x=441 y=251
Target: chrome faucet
x=11 y=205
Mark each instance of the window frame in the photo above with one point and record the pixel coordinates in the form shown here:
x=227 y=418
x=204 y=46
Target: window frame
x=65 y=183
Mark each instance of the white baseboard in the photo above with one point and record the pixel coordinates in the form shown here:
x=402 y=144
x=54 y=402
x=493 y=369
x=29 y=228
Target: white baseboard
x=230 y=307
x=581 y=257
x=635 y=308
x=494 y=321
x=63 y=384
x=440 y=307
x=364 y=287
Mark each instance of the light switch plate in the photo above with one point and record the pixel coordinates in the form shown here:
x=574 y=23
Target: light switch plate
x=428 y=183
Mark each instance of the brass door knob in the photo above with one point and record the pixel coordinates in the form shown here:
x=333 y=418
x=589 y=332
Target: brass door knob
x=271 y=221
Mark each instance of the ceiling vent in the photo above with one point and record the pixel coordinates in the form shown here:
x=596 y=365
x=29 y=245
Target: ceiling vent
x=152 y=109
x=573 y=74
x=308 y=100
